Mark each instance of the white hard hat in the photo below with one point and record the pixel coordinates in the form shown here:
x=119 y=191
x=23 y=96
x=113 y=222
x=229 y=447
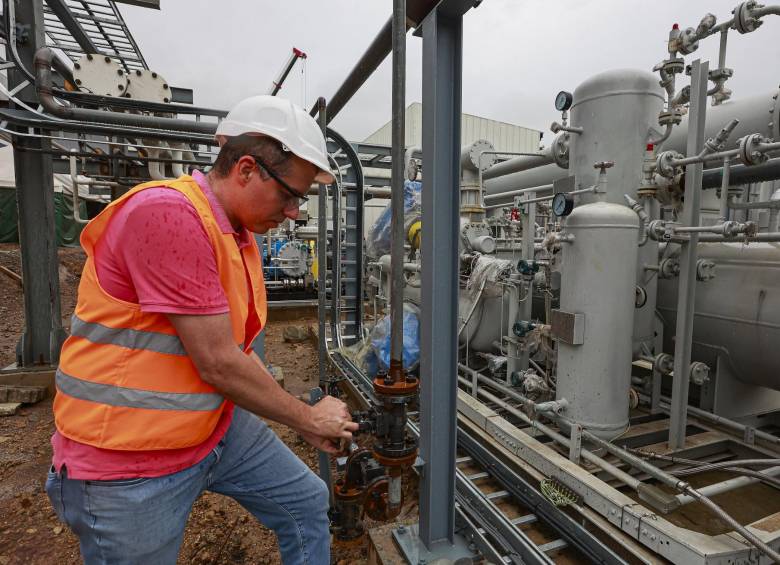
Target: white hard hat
x=282 y=120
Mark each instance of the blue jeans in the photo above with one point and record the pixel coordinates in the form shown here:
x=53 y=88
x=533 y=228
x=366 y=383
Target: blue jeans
x=142 y=520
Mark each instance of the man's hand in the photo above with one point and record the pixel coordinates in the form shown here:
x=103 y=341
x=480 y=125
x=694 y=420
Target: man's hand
x=323 y=444
x=331 y=423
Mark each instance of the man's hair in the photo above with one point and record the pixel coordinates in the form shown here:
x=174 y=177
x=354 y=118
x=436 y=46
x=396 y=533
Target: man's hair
x=266 y=149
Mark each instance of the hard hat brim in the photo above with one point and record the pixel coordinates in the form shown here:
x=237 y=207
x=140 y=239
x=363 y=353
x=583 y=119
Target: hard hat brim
x=325 y=177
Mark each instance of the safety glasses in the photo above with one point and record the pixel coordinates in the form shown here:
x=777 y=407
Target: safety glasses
x=300 y=198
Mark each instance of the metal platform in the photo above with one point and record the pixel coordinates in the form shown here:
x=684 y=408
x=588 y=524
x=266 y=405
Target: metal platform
x=78 y=27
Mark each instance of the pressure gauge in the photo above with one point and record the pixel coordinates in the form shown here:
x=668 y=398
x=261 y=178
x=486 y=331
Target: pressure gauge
x=562 y=204
x=563 y=101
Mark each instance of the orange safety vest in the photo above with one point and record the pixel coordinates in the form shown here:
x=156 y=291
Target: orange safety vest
x=125 y=380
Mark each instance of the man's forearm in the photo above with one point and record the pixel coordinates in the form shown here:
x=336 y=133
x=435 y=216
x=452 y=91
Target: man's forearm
x=248 y=383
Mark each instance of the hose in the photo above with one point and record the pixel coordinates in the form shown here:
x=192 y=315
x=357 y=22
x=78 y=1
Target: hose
x=739 y=528
x=701 y=468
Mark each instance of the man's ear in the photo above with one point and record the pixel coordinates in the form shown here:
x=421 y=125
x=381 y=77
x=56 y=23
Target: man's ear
x=245 y=168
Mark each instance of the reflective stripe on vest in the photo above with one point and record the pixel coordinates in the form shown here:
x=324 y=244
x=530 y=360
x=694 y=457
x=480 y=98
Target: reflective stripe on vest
x=130 y=339
x=136 y=398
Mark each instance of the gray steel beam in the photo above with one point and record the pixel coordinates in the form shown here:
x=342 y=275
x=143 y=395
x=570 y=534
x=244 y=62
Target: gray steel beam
x=43 y=335
x=376 y=52
x=62 y=11
x=40 y=343
x=442 y=67
x=688 y=253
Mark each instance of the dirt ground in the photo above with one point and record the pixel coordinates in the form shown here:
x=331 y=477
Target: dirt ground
x=219 y=531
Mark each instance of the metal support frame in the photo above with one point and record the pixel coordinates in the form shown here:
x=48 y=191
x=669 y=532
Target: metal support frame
x=529 y=234
x=688 y=255
x=442 y=66
x=43 y=334
x=66 y=17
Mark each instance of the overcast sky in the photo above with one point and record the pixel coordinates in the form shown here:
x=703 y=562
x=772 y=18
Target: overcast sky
x=517 y=53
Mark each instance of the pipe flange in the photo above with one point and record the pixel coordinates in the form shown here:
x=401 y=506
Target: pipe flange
x=749 y=151
x=688 y=41
x=403 y=388
x=657 y=230
x=398 y=456
x=664 y=163
x=673 y=66
x=663 y=363
x=705 y=270
x=376 y=504
x=560 y=150
x=673 y=117
x=669 y=268
x=744 y=20
x=731 y=228
x=640 y=297
x=700 y=373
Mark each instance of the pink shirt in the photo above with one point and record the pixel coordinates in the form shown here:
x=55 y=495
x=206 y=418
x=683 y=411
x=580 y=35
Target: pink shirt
x=155 y=252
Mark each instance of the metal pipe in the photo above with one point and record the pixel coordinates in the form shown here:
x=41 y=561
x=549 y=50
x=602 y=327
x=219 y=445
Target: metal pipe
x=376 y=52
x=45 y=59
x=589 y=456
x=397 y=186
x=688 y=257
x=770 y=237
x=720 y=420
x=724 y=189
x=521 y=163
x=656 y=473
x=518 y=192
x=726 y=486
x=74 y=179
x=322 y=259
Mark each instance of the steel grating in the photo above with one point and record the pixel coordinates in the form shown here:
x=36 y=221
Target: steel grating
x=101 y=23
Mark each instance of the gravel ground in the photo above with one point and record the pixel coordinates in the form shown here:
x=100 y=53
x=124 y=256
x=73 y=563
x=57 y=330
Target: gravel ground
x=219 y=531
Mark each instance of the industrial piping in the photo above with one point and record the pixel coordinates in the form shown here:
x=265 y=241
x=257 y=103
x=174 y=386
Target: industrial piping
x=45 y=60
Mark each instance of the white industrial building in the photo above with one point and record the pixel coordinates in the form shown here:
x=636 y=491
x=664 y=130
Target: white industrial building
x=503 y=136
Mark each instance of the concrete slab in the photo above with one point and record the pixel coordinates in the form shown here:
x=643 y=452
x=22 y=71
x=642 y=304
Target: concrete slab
x=43 y=378
x=24 y=394
x=9 y=408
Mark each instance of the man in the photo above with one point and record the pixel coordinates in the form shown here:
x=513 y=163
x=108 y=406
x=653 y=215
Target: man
x=158 y=392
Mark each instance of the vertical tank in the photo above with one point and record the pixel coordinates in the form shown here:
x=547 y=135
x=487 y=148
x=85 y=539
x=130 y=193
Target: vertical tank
x=598 y=282
x=618 y=113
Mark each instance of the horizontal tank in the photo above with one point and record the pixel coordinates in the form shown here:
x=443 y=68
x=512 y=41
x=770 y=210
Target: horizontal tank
x=598 y=283
x=737 y=314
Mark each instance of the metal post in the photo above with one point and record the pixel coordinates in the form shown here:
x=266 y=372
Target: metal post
x=442 y=52
x=322 y=258
x=43 y=334
x=397 y=190
x=529 y=234
x=688 y=255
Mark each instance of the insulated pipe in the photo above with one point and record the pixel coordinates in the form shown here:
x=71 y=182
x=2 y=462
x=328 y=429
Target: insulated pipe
x=45 y=60
x=496 y=187
x=523 y=163
x=397 y=190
